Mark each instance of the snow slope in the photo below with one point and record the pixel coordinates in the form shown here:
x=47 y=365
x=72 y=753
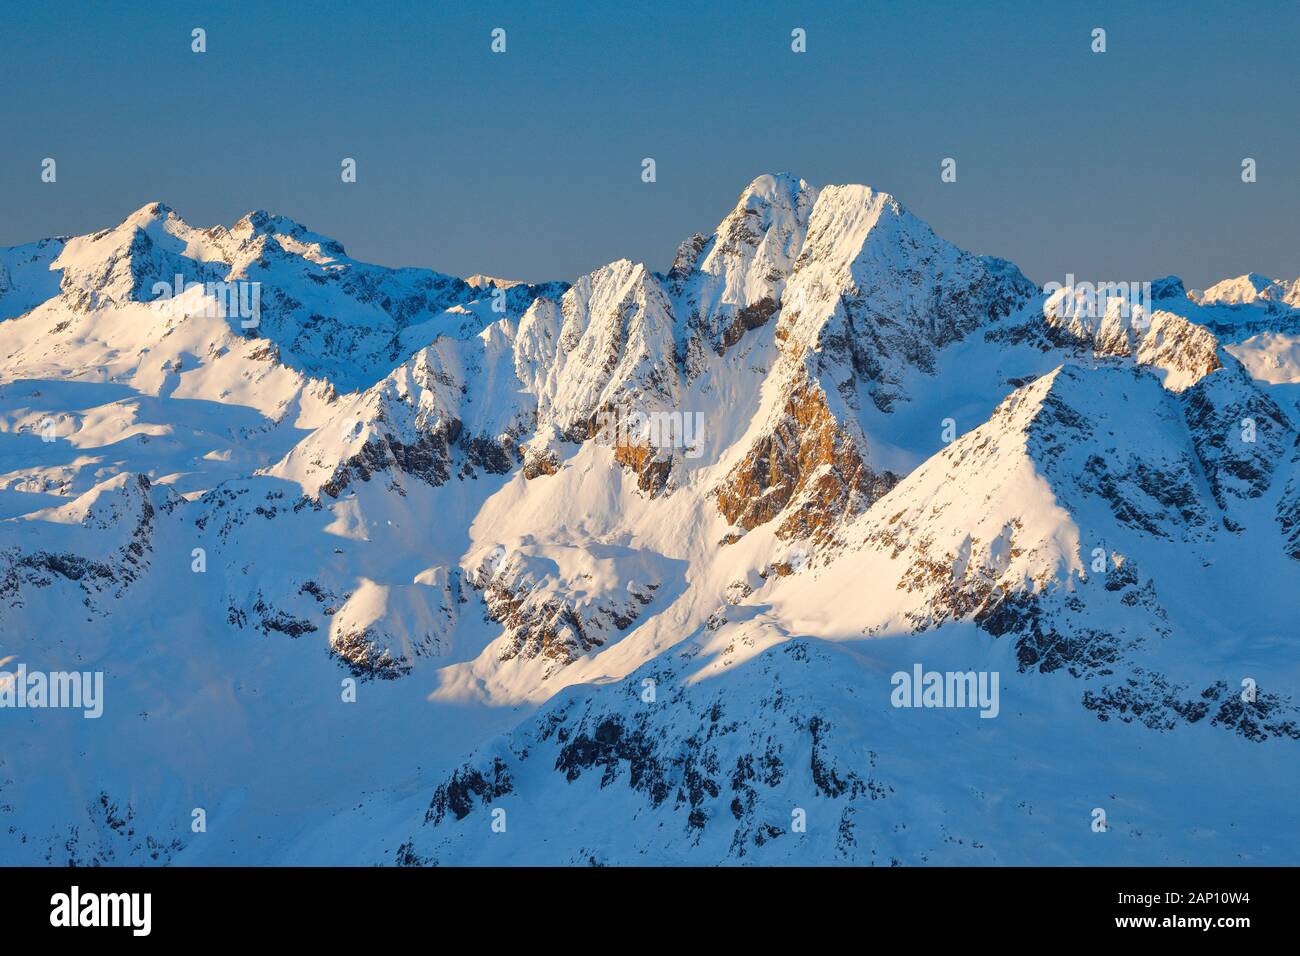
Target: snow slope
x=417 y=569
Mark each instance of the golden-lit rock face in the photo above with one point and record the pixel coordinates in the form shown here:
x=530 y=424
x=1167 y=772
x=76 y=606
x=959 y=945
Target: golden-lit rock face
x=651 y=469
x=538 y=464
x=747 y=319
x=805 y=467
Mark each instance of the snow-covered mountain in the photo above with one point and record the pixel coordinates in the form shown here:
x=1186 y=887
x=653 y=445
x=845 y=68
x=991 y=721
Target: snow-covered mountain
x=386 y=566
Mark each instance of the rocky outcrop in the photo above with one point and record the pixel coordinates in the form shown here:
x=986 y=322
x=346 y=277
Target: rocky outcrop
x=805 y=469
x=119 y=515
x=550 y=617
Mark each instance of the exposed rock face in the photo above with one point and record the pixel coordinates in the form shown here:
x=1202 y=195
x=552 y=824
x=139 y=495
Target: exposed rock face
x=419 y=422
x=652 y=466
x=109 y=835
x=1240 y=434
x=1183 y=350
x=457 y=796
x=428 y=458
x=873 y=293
x=1288 y=515
x=120 y=514
x=381 y=631
x=732 y=282
x=687 y=528
x=546 y=616
x=806 y=468
x=716 y=783
x=1186 y=351
x=1151 y=700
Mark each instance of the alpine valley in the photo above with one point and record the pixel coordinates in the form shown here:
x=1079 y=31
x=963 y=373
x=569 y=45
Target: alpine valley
x=366 y=572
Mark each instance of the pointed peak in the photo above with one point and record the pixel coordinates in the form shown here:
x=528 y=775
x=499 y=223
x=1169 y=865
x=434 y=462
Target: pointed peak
x=260 y=222
x=774 y=187
x=1170 y=287
x=769 y=199
x=1241 y=290
x=860 y=193
x=148 y=214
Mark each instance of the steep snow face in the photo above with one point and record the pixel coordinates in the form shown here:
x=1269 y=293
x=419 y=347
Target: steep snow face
x=875 y=289
x=1008 y=509
x=605 y=354
x=614 y=346
x=26 y=279
x=453 y=407
x=729 y=283
x=751 y=254
x=393 y=512
x=118 y=266
x=874 y=298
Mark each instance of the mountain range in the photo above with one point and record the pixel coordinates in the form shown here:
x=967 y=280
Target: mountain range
x=401 y=568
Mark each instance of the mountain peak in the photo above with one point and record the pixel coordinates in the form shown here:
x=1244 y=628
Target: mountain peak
x=148 y=214
x=1243 y=290
x=261 y=220
x=772 y=187
x=1170 y=287
x=261 y=223
x=805 y=434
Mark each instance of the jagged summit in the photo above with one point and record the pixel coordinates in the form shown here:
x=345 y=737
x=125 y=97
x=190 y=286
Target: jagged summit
x=1251 y=289
x=258 y=220
x=651 y=545
x=770 y=185
x=1237 y=291
x=262 y=223
x=319 y=312
x=149 y=213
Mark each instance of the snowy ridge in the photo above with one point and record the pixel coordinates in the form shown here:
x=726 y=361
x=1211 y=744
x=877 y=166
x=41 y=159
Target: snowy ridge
x=677 y=651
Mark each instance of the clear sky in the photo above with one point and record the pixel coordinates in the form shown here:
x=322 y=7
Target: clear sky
x=1117 y=166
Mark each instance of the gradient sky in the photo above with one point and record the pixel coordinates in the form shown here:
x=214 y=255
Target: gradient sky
x=1118 y=166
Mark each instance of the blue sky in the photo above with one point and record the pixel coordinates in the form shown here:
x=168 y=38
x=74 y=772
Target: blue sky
x=1115 y=166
